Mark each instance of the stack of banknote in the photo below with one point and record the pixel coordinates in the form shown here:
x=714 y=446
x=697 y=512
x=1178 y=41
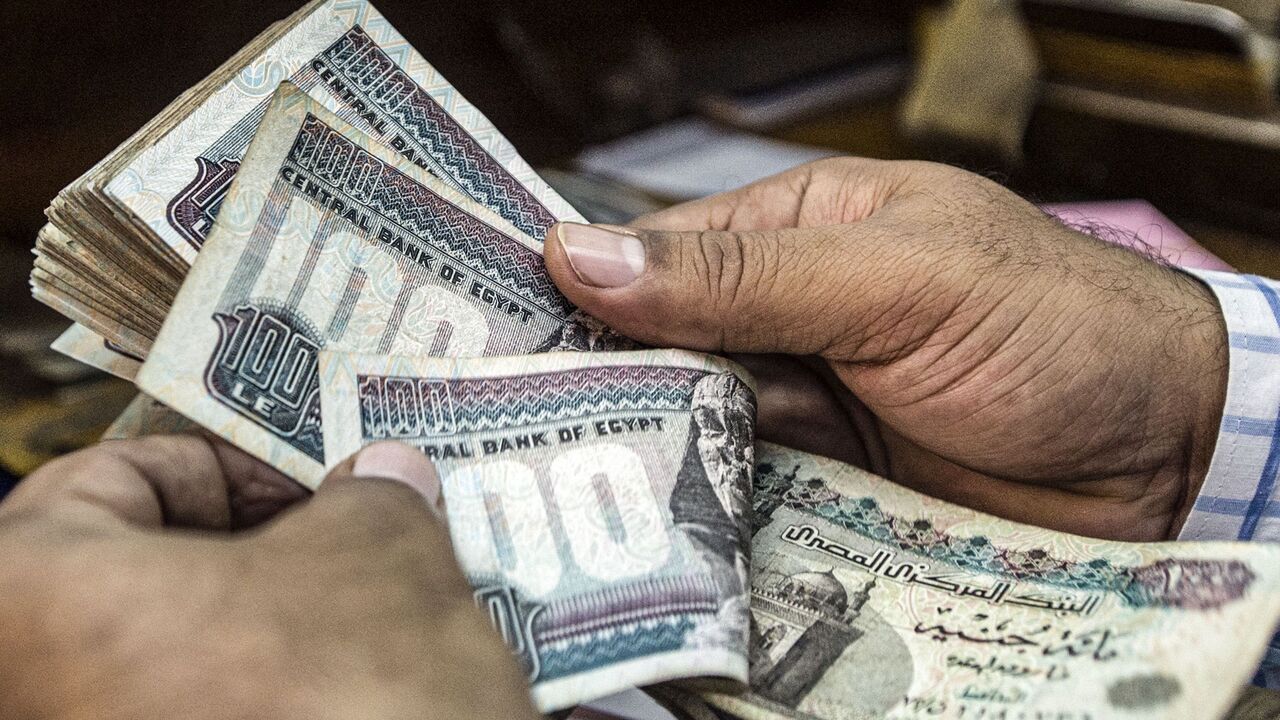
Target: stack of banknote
x=323 y=245
x=121 y=238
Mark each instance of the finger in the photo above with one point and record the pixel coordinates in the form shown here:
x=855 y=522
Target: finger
x=386 y=494
x=796 y=408
x=768 y=204
x=180 y=480
x=396 y=462
x=812 y=291
x=825 y=192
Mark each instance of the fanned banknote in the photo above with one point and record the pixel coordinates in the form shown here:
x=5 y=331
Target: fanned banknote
x=329 y=239
x=871 y=601
x=121 y=237
x=349 y=58
x=80 y=343
x=146 y=416
x=598 y=502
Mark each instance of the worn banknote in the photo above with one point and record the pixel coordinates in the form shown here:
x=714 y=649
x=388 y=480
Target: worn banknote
x=329 y=239
x=598 y=502
x=350 y=59
x=872 y=601
x=147 y=416
x=80 y=343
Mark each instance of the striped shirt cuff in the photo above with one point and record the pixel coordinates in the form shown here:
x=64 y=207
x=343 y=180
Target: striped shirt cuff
x=1238 y=500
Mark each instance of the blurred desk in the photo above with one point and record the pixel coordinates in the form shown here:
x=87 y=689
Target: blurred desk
x=1216 y=176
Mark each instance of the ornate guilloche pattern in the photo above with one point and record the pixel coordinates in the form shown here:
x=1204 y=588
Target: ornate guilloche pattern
x=869 y=600
x=329 y=240
x=348 y=57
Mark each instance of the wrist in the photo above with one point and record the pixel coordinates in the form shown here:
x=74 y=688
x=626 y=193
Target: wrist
x=1203 y=378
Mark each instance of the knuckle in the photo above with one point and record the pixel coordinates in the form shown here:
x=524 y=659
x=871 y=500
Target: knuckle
x=720 y=264
x=44 y=490
x=116 y=459
x=840 y=165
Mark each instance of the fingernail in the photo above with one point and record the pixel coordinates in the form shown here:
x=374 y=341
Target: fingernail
x=604 y=258
x=403 y=463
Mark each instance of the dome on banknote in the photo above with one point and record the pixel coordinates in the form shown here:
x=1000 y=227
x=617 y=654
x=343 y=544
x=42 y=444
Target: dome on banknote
x=818 y=591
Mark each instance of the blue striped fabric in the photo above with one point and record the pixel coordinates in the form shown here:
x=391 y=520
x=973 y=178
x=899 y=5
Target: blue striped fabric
x=1239 y=499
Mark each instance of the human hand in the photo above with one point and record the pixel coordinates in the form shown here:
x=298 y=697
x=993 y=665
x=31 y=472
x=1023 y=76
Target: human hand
x=123 y=593
x=1007 y=362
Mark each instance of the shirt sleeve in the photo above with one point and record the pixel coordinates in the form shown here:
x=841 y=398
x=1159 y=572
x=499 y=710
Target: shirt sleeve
x=1239 y=499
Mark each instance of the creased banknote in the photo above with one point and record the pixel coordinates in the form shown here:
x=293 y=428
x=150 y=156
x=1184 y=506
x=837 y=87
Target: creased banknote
x=122 y=236
x=350 y=59
x=146 y=416
x=598 y=502
x=80 y=343
x=329 y=239
x=872 y=601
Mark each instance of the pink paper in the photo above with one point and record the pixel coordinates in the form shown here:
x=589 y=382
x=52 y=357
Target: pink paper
x=1135 y=223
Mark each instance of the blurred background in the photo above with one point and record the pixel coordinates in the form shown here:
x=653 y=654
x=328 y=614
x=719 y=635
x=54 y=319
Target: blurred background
x=629 y=106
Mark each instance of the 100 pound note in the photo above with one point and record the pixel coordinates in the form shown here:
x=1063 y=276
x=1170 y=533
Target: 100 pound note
x=598 y=502
x=351 y=60
x=871 y=601
x=329 y=239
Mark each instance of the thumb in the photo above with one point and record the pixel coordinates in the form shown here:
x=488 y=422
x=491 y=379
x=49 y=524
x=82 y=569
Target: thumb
x=376 y=519
x=392 y=462
x=780 y=291
x=386 y=491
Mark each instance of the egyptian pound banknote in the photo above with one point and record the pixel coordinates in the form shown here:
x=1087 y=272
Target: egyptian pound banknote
x=598 y=502
x=871 y=601
x=147 y=416
x=80 y=343
x=349 y=59
x=328 y=239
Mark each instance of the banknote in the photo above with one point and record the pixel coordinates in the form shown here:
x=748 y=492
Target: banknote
x=872 y=601
x=147 y=416
x=329 y=239
x=350 y=59
x=80 y=343
x=598 y=502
